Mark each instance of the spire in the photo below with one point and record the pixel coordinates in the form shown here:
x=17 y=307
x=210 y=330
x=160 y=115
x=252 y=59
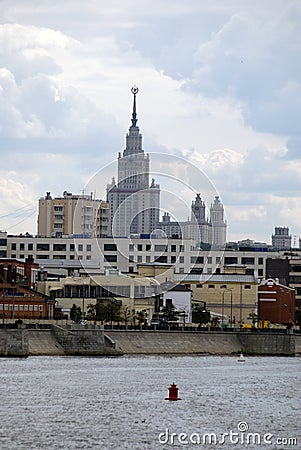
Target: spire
x=134 y=115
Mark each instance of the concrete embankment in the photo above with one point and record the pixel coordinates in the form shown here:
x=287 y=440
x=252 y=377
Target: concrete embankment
x=174 y=343
x=43 y=342
x=14 y=343
x=298 y=344
x=89 y=341
x=177 y=343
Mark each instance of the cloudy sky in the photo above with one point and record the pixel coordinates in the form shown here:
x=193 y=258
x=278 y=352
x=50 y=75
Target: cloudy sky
x=219 y=86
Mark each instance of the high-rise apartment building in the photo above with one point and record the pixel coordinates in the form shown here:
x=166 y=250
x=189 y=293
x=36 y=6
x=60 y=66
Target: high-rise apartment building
x=134 y=203
x=73 y=215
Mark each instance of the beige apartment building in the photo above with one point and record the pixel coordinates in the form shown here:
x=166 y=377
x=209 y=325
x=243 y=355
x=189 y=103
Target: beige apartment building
x=73 y=215
x=230 y=296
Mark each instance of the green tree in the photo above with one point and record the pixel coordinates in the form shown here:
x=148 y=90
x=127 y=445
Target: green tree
x=170 y=314
x=75 y=313
x=141 y=317
x=126 y=315
x=91 y=312
x=200 y=315
x=108 y=311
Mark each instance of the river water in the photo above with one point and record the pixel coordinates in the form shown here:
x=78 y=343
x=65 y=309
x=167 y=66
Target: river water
x=119 y=403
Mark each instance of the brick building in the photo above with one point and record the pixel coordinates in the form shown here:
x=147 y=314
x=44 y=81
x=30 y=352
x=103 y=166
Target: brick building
x=18 y=298
x=276 y=302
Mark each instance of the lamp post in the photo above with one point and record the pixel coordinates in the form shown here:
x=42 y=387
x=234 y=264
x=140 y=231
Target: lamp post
x=3 y=297
x=223 y=305
x=83 y=312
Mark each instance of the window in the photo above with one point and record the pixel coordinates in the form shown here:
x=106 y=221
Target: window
x=260 y=261
x=181 y=259
x=147 y=259
x=131 y=258
x=209 y=260
x=72 y=247
x=199 y=286
x=43 y=247
x=140 y=248
x=247 y=286
x=196 y=259
x=181 y=270
x=173 y=259
x=80 y=247
x=161 y=259
x=30 y=247
x=110 y=258
x=218 y=260
x=173 y=248
x=59 y=247
x=223 y=286
x=14 y=246
x=248 y=260
x=110 y=247
x=42 y=256
x=131 y=247
x=260 y=272
x=211 y=286
x=148 y=247
x=139 y=259
x=160 y=248
x=22 y=246
x=230 y=260
x=182 y=248
x=88 y=247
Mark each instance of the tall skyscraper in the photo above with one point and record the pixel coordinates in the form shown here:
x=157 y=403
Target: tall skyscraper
x=282 y=239
x=134 y=203
x=218 y=222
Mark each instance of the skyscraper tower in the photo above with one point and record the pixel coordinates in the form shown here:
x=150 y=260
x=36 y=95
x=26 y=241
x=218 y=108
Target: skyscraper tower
x=134 y=204
x=218 y=222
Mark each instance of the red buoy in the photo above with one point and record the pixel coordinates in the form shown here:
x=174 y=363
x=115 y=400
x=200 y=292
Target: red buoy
x=173 y=392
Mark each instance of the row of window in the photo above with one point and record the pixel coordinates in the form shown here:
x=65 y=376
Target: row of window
x=213 y=286
x=15 y=307
x=54 y=247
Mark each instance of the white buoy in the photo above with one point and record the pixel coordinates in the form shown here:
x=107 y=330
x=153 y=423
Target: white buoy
x=241 y=358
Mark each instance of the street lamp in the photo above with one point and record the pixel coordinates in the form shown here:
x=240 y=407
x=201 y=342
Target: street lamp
x=3 y=299
x=223 y=305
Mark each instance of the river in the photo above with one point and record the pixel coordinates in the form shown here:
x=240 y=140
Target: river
x=119 y=403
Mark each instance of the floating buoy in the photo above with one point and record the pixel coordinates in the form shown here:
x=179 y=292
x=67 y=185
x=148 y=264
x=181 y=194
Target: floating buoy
x=173 y=393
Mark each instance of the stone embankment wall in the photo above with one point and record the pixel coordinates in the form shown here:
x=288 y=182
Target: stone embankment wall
x=14 y=343
x=177 y=343
x=84 y=341
x=298 y=344
x=268 y=344
x=43 y=342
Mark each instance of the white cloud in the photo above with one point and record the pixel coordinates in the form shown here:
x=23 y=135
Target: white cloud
x=219 y=84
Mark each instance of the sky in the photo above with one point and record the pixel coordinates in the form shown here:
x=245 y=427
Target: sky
x=219 y=91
